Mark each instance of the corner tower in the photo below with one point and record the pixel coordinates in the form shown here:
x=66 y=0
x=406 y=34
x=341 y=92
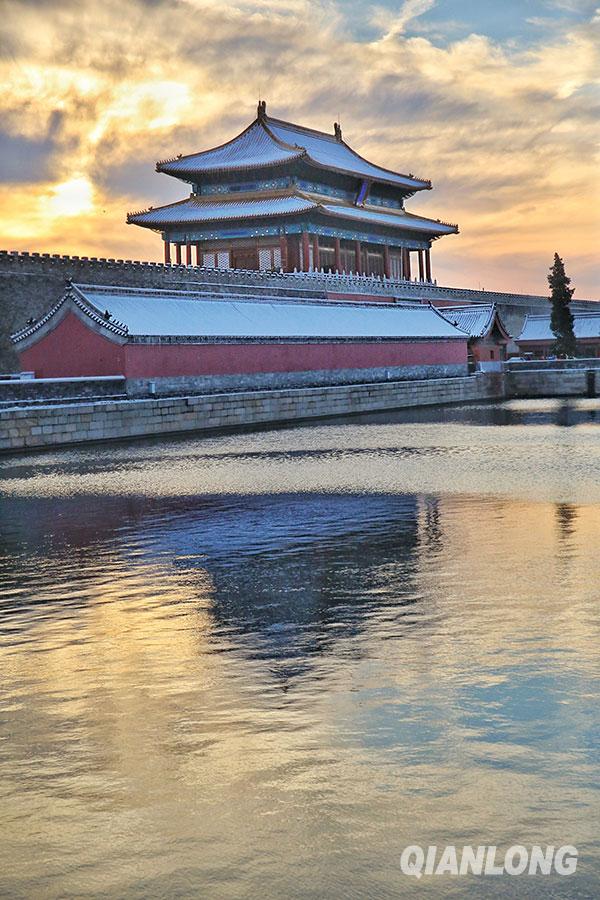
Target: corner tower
x=281 y=196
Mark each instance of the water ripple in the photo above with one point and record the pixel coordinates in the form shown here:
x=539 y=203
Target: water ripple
x=265 y=663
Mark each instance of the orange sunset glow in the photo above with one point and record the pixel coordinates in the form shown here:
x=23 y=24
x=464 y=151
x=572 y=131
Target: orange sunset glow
x=499 y=107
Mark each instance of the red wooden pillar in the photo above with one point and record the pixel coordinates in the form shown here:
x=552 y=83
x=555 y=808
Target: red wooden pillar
x=387 y=269
x=293 y=252
x=406 y=264
x=167 y=253
x=188 y=254
x=316 y=258
x=305 y=265
x=358 y=257
x=199 y=259
x=428 y=264
x=178 y=254
x=421 y=268
x=283 y=246
x=337 y=264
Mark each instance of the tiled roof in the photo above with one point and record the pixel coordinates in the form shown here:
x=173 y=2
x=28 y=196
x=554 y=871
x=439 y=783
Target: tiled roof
x=396 y=220
x=162 y=313
x=327 y=151
x=196 y=209
x=271 y=142
x=254 y=147
x=477 y=319
x=537 y=328
x=199 y=210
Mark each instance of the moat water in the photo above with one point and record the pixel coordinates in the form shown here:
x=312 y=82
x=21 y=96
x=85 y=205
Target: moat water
x=261 y=665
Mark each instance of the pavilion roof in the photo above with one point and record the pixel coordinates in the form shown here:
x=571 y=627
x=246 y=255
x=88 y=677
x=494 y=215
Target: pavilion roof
x=198 y=210
x=477 y=319
x=401 y=219
x=268 y=141
x=537 y=328
x=127 y=313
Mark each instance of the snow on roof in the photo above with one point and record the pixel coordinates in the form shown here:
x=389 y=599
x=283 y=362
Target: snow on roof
x=326 y=150
x=537 y=328
x=476 y=319
x=272 y=142
x=162 y=313
x=252 y=148
x=195 y=209
x=199 y=210
x=395 y=220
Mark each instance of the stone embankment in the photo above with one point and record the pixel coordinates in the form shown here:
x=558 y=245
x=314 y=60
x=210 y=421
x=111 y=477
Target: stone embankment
x=41 y=390
x=538 y=383
x=72 y=423
x=75 y=411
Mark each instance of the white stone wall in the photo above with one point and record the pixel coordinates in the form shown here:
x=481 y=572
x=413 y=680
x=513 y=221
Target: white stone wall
x=63 y=424
x=536 y=383
x=139 y=387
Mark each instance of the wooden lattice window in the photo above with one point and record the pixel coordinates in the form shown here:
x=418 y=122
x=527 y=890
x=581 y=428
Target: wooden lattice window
x=396 y=266
x=374 y=263
x=348 y=260
x=326 y=257
x=216 y=259
x=269 y=258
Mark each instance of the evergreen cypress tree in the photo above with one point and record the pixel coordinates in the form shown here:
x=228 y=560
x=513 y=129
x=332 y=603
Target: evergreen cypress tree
x=561 y=321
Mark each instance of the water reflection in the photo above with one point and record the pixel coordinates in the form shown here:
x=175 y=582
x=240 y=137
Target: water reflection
x=562 y=411
x=566 y=516
x=226 y=693
x=298 y=573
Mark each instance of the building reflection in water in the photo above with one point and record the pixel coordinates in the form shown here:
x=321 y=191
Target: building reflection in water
x=292 y=570
x=231 y=683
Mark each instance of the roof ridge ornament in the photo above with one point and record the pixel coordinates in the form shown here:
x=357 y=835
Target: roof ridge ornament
x=261 y=110
x=337 y=131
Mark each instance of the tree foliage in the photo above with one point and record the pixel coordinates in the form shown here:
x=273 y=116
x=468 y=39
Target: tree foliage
x=561 y=321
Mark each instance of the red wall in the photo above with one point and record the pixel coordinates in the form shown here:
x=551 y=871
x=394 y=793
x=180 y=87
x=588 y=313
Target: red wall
x=443 y=303
x=148 y=360
x=72 y=349
x=372 y=298
x=482 y=350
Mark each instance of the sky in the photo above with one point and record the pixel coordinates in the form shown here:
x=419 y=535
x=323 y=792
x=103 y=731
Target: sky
x=498 y=103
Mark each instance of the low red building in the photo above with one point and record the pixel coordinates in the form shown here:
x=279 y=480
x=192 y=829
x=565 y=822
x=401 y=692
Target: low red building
x=537 y=339
x=181 y=340
x=488 y=338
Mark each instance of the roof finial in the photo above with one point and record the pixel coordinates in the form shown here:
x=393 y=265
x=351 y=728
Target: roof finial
x=337 y=130
x=261 y=112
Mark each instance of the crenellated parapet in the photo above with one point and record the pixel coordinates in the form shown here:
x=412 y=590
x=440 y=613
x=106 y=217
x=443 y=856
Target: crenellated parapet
x=31 y=283
x=315 y=281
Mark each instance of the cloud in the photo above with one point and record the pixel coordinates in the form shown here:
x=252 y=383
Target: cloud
x=581 y=7
x=395 y=23
x=100 y=90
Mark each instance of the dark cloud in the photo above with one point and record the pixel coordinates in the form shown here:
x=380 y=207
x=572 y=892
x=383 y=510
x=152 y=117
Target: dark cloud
x=30 y=160
x=24 y=160
x=138 y=179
